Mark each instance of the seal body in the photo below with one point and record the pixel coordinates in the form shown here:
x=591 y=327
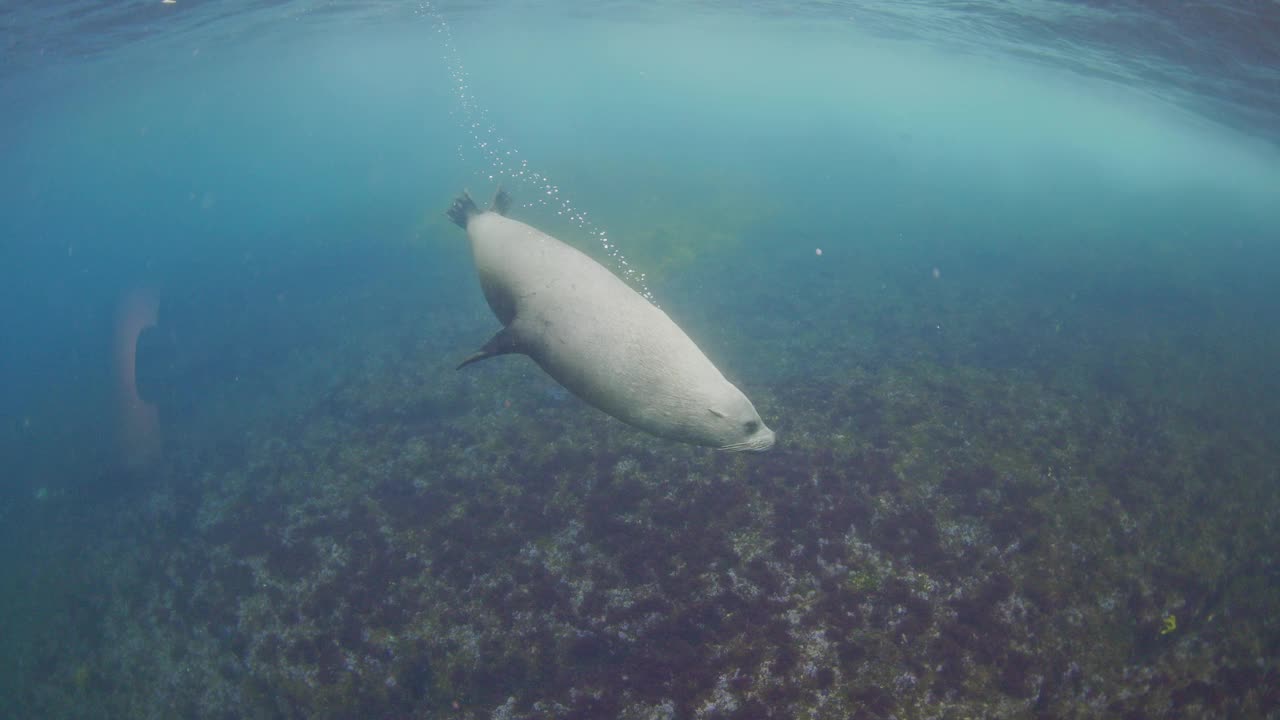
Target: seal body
x=600 y=339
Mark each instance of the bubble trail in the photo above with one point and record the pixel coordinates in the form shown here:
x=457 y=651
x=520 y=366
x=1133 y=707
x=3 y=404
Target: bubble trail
x=506 y=163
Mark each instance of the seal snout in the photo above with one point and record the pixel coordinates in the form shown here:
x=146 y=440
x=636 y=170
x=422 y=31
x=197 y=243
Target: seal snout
x=759 y=441
x=763 y=440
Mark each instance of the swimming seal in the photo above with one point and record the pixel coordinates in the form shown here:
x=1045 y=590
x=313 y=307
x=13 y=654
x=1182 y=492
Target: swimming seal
x=598 y=338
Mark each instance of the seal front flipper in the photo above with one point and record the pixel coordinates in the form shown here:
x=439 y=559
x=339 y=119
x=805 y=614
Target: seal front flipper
x=504 y=343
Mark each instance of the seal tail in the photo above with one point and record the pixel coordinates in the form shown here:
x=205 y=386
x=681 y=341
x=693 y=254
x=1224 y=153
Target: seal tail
x=501 y=202
x=462 y=210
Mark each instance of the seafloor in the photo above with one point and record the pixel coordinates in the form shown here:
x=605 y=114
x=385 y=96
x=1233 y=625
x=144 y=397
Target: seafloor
x=1000 y=492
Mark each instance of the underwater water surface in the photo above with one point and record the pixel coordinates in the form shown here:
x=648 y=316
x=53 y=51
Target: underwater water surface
x=1002 y=278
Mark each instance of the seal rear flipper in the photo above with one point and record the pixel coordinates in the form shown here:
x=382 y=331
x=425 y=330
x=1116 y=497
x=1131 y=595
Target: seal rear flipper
x=504 y=343
x=501 y=202
x=462 y=210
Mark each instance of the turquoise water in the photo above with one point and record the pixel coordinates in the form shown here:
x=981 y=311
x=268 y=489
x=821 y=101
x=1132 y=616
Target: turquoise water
x=1001 y=279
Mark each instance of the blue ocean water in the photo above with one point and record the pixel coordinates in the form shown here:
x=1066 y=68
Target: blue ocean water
x=1001 y=276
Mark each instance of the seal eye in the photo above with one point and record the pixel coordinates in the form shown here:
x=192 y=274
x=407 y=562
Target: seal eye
x=751 y=426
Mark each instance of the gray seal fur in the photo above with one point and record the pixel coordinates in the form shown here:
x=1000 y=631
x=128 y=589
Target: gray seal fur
x=597 y=337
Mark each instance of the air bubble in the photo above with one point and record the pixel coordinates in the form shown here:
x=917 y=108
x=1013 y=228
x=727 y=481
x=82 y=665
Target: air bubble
x=485 y=139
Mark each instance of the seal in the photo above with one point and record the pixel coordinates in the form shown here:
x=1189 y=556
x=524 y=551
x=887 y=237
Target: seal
x=601 y=340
